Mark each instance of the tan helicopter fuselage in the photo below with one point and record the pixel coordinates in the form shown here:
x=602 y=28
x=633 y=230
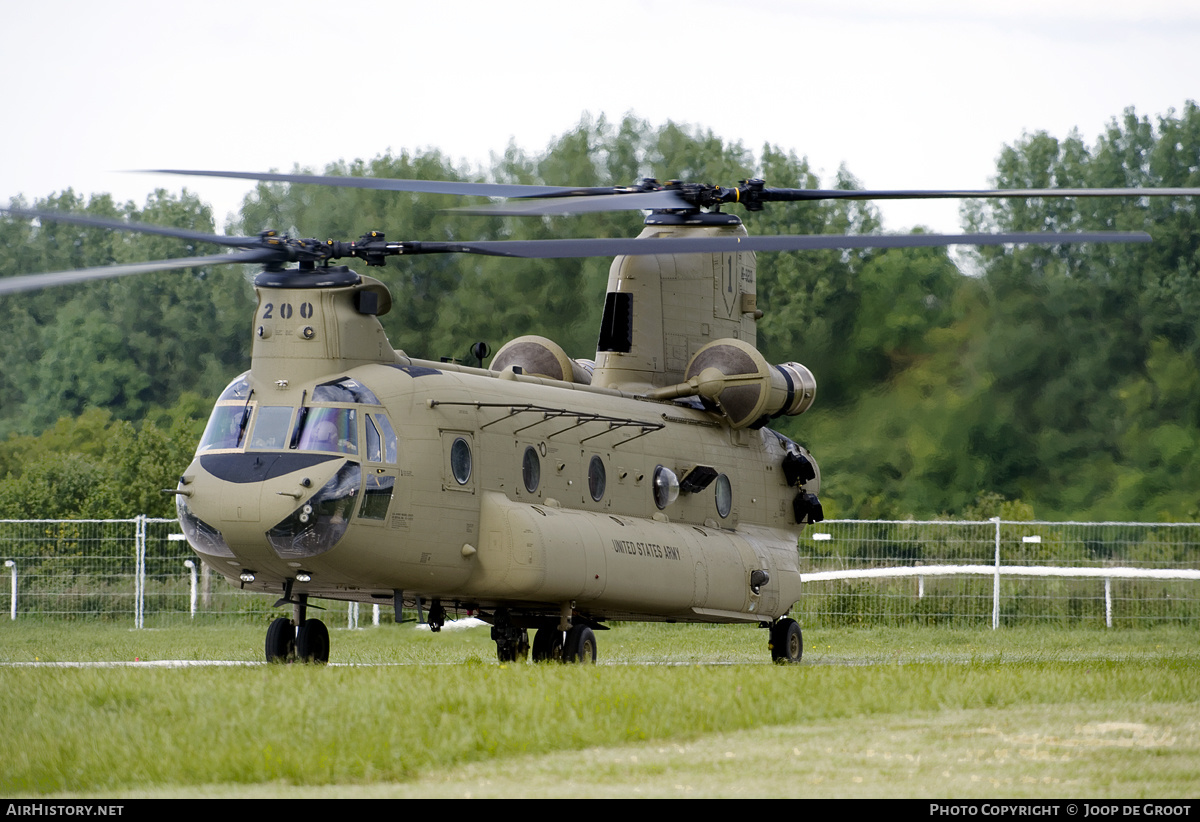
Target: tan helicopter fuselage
x=633 y=497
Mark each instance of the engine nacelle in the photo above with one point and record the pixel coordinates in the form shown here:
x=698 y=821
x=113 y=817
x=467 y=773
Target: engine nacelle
x=540 y=357
x=733 y=376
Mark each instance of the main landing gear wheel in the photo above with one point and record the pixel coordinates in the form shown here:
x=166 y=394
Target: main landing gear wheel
x=548 y=645
x=281 y=640
x=512 y=646
x=580 y=645
x=787 y=643
x=312 y=642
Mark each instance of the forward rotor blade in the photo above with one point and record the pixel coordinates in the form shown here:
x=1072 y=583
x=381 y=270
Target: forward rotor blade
x=127 y=225
x=567 y=200
x=636 y=201
x=554 y=249
x=35 y=282
x=383 y=183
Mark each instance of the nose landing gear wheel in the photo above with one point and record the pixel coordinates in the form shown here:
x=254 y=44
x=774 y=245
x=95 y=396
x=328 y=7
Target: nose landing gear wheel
x=312 y=642
x=281 y=640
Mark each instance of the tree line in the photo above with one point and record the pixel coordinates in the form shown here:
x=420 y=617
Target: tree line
x=1061 y=381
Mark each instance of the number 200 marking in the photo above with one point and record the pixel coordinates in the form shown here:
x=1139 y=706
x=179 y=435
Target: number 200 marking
x=285 y=310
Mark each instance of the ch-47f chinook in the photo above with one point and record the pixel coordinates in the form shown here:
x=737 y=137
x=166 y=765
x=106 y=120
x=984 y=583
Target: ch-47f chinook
x=542 y=493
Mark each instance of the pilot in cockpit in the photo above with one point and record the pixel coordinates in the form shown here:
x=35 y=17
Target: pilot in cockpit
x=325 y=437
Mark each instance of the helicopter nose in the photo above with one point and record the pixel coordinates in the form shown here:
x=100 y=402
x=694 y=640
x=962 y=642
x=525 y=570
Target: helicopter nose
x=237 y=498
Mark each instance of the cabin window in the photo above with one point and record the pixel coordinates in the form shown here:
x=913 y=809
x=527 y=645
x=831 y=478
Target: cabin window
x=271 y=426
x=597 y=478
x=724 y=496
x=330 y=429
x=531 y=469
x=460 y=461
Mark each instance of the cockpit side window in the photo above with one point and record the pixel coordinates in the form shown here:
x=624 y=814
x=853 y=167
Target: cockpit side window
x=387 y=436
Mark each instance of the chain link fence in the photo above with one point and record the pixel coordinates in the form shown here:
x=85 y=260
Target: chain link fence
x=857 y=572
x=886 y=572
x=140 y=570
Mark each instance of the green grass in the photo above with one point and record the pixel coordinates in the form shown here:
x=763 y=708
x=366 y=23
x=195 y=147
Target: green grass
x=870 y=712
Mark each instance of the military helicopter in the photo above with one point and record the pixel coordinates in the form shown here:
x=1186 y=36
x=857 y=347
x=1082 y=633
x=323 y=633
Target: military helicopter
x=542 y=493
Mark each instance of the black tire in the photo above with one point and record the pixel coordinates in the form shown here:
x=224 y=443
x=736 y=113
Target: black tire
x=787 y=642
x=281 y=640
x=548 y=645
x=511 y=646
x=312 y=642
x=580 y=645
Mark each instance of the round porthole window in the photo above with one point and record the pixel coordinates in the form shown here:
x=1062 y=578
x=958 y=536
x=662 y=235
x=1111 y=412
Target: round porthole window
x=724 y=494
x=666 y=486
x=460 y=461
x=531 y=469
x=596 y=478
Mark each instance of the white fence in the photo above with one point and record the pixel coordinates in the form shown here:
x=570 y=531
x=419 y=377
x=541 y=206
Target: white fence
x=130 y=569
x=947 y=572
x=856 y=572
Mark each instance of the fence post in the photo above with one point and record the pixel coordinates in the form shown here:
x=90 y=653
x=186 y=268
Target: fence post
x=1108 y=602
x=191 y=566
x=139 y=582
x=996 y=580
x=8 y=563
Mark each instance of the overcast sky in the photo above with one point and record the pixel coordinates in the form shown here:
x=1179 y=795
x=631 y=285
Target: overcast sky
x=913 y=94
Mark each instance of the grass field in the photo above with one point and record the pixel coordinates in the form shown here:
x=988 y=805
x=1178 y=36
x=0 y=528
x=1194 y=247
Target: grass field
x=922 y=712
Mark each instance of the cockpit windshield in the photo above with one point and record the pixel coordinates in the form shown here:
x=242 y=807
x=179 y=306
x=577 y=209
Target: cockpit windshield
x=226 y=427
x=240 y=421
x=271 y=427
x=329 y=429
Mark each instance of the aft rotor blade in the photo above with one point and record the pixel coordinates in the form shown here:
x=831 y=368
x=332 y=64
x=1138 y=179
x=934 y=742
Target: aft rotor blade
x=554 y=249
x=802 y=194
x=128 y=225
x=35 y=282
x=384 y=183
